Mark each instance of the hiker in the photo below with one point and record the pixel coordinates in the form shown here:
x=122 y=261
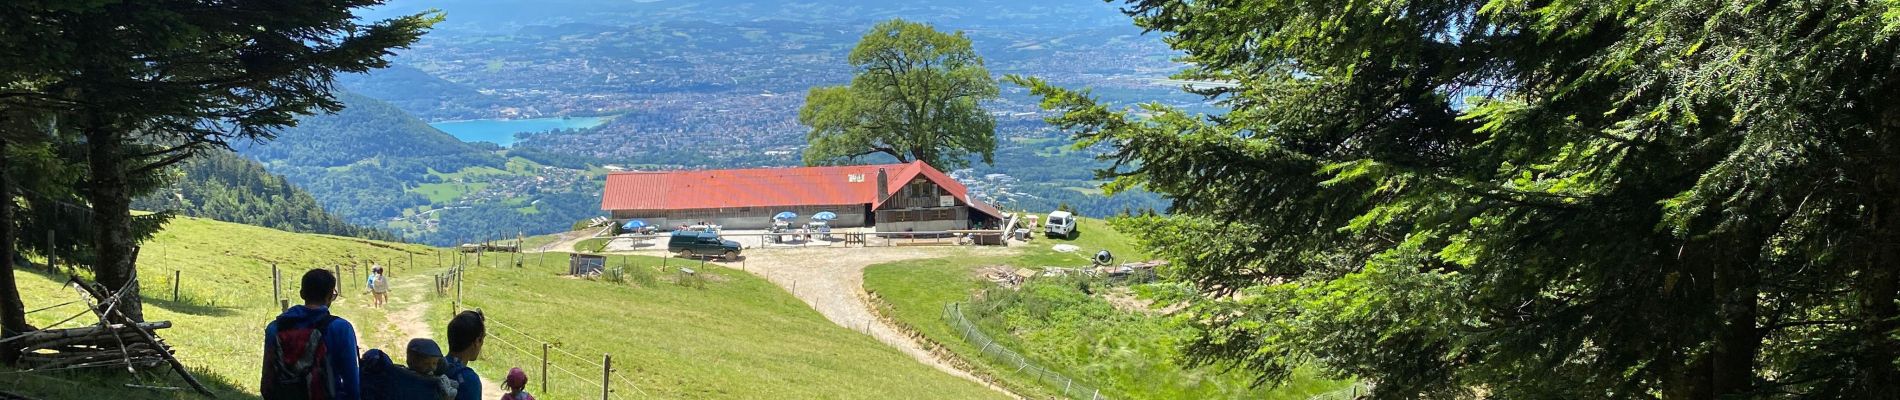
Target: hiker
x=424 y=356
x=384 y=380
x=308 y=353
x=517 y=384
x=378 y=286
x=467 y=332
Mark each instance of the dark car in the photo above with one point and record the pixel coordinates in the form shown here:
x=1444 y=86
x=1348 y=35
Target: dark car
x=702 y=244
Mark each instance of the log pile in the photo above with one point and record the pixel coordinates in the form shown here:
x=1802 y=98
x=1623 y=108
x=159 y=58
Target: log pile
x=93 y=346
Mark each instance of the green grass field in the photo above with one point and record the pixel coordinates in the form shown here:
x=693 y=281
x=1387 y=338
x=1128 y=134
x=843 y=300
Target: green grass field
x=447 y=192
x=1127 y=354
x=225 y=301
x=735 y=336
x=590 y=245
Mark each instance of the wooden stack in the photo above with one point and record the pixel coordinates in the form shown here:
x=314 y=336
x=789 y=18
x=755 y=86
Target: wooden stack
x=94 y=346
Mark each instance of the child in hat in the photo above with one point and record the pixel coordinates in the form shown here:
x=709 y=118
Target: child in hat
x=517 y=385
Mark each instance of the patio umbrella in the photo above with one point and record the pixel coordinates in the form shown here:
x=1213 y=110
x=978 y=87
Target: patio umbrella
x=824 y=216
x=634 y=224
x=785 y=215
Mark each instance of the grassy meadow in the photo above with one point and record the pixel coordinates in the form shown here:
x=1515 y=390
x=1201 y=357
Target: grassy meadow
x=1056 y=324
x=224 y=302
x=725 y=334
x=720 y=334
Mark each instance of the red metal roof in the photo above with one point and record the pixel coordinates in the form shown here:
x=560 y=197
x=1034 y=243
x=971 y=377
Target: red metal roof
x=769 y=187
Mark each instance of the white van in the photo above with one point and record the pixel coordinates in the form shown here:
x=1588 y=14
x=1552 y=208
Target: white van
x=1060 y=224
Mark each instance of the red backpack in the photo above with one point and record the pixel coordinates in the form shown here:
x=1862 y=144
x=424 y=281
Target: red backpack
x=302 y=370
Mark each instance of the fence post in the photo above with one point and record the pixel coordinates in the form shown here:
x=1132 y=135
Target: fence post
x=544 y=367
x=606 y=373
x=276 y=285
x=176 y=274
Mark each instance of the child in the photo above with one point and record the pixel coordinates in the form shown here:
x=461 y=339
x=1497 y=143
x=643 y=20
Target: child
x=517 y=383
x=425 y=357
x=379 y=286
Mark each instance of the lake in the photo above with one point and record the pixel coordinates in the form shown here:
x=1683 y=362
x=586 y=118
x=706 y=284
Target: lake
x=502 y=131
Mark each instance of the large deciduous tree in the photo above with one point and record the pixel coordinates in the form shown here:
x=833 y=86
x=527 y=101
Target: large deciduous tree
x=148 y=84
x=917 y=95
x=1520 y=199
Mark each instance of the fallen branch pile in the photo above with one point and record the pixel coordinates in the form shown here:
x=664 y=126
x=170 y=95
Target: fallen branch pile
x=97 y=345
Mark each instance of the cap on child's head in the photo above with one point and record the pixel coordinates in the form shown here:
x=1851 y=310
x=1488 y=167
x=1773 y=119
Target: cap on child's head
x=516 y=378
x=424 y=347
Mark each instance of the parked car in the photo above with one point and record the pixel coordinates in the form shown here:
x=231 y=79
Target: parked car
x=1060 y=224
x=702 y=244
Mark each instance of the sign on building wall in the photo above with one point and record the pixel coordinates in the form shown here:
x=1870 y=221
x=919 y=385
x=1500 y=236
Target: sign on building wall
x=946 y=201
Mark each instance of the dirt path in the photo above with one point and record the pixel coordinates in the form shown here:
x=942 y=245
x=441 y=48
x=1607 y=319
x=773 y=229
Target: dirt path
x=832 y=282
x=408 y=312
x=568 y=240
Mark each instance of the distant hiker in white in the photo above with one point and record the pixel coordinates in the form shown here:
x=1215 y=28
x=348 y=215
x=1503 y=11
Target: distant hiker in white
x=378 y=286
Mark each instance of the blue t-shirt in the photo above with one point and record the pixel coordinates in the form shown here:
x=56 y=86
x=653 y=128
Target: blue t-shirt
x=468 y=384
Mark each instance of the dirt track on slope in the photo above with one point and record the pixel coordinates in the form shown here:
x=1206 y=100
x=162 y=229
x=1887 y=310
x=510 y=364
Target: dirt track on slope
x=832 y=282
x=408 y=311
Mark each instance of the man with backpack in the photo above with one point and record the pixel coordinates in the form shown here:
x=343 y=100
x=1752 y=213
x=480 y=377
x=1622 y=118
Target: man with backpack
x=308 y=353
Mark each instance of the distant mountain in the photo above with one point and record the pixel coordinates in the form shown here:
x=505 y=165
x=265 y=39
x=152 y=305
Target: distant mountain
x=368 y=130
x=375 y=165
x=507 y=15
x=223 y=186
x=420 y=94
x=360 y=162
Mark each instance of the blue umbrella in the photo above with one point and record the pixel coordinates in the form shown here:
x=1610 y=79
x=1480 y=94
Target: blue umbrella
x=786 y=215
x=824 y=216
x=633 y=224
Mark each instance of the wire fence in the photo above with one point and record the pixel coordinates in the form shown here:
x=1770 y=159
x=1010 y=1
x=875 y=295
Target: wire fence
x=1070 y=387
x=551 y=360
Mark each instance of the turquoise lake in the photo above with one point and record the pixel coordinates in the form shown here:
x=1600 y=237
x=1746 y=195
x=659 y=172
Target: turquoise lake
x=502 y=131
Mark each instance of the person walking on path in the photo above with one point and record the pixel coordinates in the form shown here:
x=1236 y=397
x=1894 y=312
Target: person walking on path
x=467 y=332
x=378 y=286
x=517 y=385
x=309 y=353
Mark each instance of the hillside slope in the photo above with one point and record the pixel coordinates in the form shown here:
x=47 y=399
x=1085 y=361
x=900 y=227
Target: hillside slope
x=374 y=165
x=735 y=337
x=221 y=185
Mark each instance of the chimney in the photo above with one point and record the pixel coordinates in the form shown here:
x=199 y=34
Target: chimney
x=883 y=185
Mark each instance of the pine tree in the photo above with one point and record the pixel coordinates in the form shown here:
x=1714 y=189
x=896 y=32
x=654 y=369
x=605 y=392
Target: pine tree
x=1507 y=199
x=148 y=84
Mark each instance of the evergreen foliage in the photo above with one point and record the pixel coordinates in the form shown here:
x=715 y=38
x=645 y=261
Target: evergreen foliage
x=1510 y=199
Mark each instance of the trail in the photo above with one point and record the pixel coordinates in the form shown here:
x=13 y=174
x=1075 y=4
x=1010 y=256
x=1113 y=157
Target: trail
x=832 y=282
x=568 y=240
x=408 y=311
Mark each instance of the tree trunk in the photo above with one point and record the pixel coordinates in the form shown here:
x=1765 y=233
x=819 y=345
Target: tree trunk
x=1738 y=339
x=12 y=311
x=1720 y=270
x=1875 y=290
x=112 y=217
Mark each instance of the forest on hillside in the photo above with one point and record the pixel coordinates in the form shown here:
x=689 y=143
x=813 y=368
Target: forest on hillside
x=226 y=187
